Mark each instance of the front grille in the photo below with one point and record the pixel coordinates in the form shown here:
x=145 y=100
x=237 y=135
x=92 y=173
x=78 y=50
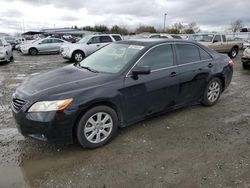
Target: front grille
x=18 y=103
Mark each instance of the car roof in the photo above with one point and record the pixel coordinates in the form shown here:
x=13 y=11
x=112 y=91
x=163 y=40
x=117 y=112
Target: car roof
x=152 y=41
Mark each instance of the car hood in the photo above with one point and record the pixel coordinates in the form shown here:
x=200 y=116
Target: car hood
x=66 y=80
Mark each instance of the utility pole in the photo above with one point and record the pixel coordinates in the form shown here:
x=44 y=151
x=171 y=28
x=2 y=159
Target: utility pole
x=164 y=26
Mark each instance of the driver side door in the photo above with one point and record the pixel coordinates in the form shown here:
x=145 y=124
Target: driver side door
x=93 y=45
x=148 y=94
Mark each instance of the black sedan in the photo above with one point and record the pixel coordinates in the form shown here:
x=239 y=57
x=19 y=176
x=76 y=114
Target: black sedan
x=122 y=83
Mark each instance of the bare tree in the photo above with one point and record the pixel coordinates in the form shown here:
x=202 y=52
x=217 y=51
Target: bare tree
x=237 y=25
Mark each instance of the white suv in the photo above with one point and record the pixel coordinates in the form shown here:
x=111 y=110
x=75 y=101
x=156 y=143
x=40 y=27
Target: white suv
x=87 y=45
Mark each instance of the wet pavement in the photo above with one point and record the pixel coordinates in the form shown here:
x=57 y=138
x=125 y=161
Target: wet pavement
x=191 y=147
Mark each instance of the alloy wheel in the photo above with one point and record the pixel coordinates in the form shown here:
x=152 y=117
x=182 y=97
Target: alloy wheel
x=213 y=91
x=78 y=57
x=98 y=127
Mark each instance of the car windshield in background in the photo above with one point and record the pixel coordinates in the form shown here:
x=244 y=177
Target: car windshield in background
x=84 y=40
x=112 y=58
x=203 y=38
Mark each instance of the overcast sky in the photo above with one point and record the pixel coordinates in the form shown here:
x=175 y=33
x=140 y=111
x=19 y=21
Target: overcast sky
x=37 y=14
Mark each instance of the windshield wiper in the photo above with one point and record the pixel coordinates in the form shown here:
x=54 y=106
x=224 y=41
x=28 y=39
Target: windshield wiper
x=88 y=68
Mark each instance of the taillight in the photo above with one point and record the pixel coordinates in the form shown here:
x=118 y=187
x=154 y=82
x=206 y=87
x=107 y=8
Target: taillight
x=231 y=63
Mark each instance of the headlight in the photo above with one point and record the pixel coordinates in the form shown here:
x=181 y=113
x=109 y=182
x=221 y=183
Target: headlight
x=45 y=106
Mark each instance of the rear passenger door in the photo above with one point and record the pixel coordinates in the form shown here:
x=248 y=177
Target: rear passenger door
x=57 y=43
x=45 y=46
x=194 y=65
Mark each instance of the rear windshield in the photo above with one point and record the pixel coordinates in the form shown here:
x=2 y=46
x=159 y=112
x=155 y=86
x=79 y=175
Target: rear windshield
x=204 y=37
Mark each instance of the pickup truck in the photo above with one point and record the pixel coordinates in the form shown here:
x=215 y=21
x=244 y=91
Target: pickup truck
x=219 y=43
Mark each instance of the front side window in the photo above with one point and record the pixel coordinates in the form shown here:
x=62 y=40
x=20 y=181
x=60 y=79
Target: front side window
x=112 y=58
x=158 y=58
x=224 y=38
x=94 y=40
x=187 y=53
x=105 y=39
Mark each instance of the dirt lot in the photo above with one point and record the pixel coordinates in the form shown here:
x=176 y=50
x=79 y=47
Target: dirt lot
x=190 y=147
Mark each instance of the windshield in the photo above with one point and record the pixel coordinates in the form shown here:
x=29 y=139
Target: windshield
x=112 y=58
x=84 y=40
x=203 y=37
x=35 y=41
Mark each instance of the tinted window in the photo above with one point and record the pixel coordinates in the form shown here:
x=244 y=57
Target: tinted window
x=57 y=41
x=106 y=39
x=117 y=37
x=46 y=41
x=95 y=40
x=187 y=53
x=154 y=36
x=204 y=55
x=217 y=38
x=224 y=38
x=159 y=57
x=176 y=37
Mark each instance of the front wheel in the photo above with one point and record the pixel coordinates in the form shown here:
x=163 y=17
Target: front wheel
x=97 y=127
x=78 y=56
x=33 y=51
x=212 y=92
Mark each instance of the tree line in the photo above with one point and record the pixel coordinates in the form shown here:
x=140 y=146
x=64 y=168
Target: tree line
x=177 y=28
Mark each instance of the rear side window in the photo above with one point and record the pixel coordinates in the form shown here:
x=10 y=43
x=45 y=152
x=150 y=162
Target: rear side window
x=154 y=36
x=204 y=55
x=159 y=57
x=57 y=41
x=117 y=37
x=106 y=39
x=224 y=38
x=187 y=53
x=176 y=37
x=46 y=41
x=217 y=38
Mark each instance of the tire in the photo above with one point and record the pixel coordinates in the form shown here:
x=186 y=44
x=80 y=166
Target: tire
x=89 y=127
x=33 y=51
x=214 y=87
x=234 y=52
x=245 y=66
x=11 y=59
x=78 y=56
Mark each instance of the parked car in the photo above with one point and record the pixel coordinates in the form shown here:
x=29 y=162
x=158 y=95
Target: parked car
x=19 y=41
x=43 y=46
x=11 y=40
x=219 y=43
x=87 y=45
x=246 y=58
x=6 y=54
x=120 y=84
x=164 y=35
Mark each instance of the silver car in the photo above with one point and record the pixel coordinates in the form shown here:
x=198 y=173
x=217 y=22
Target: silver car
x=6 y=54
x=87 y=45
x=43 y=46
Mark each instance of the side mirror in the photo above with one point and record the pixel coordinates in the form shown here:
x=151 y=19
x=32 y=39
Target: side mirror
x=215 y=41
x=88 y=43
x=141 y=70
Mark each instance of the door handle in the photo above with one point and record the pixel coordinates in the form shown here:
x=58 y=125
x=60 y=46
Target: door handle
x=98 y=45
x=173 y=74
x=210 y=65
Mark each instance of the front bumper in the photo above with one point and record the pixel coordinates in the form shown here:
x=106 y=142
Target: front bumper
x=65 y=55
x=3 y=58
x=24 y=51
x=54 y=127
x=245 y=60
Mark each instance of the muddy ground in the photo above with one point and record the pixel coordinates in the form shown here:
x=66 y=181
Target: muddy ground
x=191 y=147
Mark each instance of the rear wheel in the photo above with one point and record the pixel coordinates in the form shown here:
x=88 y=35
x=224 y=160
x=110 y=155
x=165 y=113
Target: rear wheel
x=233 y=53
x=97 y=127
x=78 y=56
x=33 y=51
x=212 y=92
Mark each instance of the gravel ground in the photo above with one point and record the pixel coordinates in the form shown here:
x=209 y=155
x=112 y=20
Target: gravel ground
x=191 y=147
